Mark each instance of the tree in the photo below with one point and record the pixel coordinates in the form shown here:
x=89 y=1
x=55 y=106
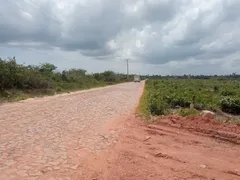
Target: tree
x=109 y=76
x=47 y=67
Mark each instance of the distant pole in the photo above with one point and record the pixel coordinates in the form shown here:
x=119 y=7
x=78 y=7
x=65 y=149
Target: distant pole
x=127 y=68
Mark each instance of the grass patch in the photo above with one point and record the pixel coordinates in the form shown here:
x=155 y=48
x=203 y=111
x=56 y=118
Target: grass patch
x=187 y=112
x=143 y=104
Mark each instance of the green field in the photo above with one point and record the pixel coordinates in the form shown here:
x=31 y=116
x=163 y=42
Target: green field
x=163 y=96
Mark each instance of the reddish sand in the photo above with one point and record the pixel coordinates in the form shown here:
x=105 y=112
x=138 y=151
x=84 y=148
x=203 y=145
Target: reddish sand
x=175 y=148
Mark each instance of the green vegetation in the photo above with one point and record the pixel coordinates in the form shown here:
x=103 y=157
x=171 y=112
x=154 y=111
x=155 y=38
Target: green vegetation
x=164 y=95
x=19 y=82
x=143 y=104
x=187 y=112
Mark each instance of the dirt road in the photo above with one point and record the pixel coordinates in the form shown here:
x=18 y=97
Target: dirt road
x=57 y=137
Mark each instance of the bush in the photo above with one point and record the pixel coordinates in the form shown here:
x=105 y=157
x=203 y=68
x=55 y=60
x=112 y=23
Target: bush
x=58 y=89
x=157 y=108
x=157 y=105
x=180 y=101
x=228 y=93
x=230 y=105
x=216 y=89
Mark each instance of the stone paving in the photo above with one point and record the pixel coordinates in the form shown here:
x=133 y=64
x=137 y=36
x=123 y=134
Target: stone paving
x=43 y=138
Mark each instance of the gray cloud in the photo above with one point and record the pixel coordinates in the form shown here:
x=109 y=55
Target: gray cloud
x=19 y=24
x=150 y=31
x=200 y=33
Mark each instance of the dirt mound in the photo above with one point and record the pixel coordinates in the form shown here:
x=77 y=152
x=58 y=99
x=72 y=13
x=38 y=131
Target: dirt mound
x=206 y=126
x=149 y=151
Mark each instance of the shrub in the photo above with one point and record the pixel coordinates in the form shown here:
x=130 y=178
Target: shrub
x=230 y=105
x=157 y=105
x=216 y=89
x=58 y=89
x=180 y=101
x=228 y=93
x=157 y=108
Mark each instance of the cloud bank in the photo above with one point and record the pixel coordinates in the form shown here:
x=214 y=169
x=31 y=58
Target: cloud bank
x=163 y=36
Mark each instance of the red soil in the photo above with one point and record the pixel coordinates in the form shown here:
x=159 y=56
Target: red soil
x=175 y=148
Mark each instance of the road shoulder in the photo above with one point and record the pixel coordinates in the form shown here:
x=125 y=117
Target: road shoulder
x=162 y=151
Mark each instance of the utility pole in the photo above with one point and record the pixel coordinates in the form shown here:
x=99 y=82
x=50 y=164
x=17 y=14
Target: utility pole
x=127 y=68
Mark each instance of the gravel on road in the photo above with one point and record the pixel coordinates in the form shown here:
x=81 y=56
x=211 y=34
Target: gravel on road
x=43 y=138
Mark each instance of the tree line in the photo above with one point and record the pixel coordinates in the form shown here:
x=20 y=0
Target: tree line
x=219 y=77
x=44 y=78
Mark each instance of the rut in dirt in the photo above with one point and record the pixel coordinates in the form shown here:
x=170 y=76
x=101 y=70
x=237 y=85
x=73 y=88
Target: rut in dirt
x=176 y=148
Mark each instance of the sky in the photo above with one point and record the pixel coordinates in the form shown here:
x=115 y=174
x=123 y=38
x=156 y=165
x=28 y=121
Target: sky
x=166 y=37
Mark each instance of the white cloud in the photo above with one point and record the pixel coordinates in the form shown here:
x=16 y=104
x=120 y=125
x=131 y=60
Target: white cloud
x=158 y=36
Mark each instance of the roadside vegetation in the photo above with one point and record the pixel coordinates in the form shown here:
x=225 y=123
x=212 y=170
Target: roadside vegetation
x=171 y=95
x=18 y=81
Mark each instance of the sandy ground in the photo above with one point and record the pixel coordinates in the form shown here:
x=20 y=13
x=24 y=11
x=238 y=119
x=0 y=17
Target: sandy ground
x=176 y=148
x=95 y=135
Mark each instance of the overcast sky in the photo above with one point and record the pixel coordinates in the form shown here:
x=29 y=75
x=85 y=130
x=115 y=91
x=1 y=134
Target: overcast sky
x=157 y=36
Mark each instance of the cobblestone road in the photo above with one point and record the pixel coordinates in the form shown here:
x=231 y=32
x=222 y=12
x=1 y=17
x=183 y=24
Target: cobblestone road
x=41 y=138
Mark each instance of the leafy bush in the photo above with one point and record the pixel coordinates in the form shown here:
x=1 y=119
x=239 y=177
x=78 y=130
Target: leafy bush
x=180 y=101
x=157 y=106
x=216 y=88
x=58 y=89
x=228 y=93
x=230 y=105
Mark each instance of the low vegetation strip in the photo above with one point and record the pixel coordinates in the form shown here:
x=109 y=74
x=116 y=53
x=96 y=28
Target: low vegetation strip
x=163 y=96
x=18 y=81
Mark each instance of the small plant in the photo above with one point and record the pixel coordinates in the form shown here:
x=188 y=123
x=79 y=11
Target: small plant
x=216 y=89
x=230 y=105
x=187 y=112
x=157 y=106
x=157 y=109
x=58 y=89
x=228 y=93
